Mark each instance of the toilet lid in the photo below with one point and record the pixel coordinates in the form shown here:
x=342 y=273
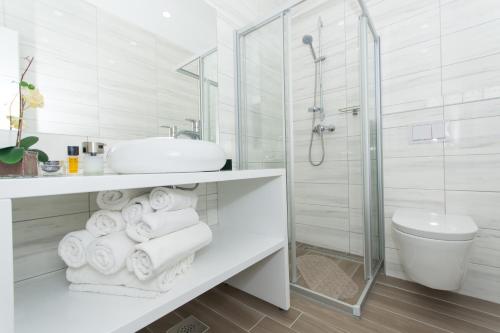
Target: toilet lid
x=434 y=226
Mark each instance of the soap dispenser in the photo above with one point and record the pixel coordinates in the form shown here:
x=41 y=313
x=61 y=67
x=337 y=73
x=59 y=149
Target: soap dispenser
x=93 y=163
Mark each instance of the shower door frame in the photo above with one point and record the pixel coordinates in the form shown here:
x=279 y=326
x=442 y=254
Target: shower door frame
x=366 y=26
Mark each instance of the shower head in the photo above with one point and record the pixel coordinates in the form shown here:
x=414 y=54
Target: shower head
x=308 y=40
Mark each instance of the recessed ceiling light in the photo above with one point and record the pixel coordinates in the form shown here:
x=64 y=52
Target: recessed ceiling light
x=166 y=14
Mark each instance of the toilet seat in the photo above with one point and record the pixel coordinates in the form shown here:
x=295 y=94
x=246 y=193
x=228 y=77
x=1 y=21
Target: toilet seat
x=434 y=226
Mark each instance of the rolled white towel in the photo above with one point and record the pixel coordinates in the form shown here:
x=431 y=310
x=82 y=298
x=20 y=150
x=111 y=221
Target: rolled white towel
x=136 y=208
x=160 y=223
x=117 y=199
x=87 y=276
x=104 y=222
x=108 y=254
x=156 y=255
x=73 y=248
x=166 y=279
x=163 y=198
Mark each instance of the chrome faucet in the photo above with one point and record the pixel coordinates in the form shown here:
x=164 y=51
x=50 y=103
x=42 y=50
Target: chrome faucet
x=194 y=133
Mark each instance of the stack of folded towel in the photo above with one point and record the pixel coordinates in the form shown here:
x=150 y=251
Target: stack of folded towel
x=137 y=245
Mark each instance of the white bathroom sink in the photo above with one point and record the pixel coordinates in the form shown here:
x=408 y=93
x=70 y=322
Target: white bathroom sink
x=162 y=155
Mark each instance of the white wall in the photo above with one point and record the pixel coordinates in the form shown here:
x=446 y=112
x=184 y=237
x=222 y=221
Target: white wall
x=440 y=61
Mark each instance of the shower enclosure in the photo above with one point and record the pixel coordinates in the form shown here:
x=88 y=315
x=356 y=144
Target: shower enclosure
x=308 y=96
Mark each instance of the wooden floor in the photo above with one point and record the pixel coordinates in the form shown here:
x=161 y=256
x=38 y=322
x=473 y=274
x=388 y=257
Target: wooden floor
x=392 y=306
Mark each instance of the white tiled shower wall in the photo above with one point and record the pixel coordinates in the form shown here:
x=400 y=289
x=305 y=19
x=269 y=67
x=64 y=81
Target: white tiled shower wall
x=81 y=56
x=440 y=61
x=328 y=198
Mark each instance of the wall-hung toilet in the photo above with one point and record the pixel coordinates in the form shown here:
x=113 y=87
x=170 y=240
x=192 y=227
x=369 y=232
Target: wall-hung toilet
x=433 y=247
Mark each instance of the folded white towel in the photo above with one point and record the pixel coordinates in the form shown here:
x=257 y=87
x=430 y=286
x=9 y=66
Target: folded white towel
x=117 y=199
x=86 y=275
x=108 y=254
x=136 y=208
x=113 y=290
x=73 y=248
x=104 y=222
x=163 y=198
x=156 y=255
x=160 y=223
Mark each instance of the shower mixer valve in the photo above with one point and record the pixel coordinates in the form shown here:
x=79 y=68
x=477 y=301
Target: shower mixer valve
x=315 y=109
x=319 y=129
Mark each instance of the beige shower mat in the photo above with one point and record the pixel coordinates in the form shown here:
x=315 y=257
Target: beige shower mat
x=323 y=275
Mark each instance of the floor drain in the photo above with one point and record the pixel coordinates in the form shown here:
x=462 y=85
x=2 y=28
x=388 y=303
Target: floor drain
x=189 y=325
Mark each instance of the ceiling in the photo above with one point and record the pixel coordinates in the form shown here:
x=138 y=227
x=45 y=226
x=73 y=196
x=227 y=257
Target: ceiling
x=192 y=23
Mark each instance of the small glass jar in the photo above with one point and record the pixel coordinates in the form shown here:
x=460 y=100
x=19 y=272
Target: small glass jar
x=52 y=168
x=73 y=160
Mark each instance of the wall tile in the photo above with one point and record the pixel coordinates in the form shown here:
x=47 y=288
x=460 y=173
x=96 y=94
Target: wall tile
x=394 y=198
x=481 y=206
x=356 y=244
x=472 y=80
x=411 y=92
x=389 y=12
x=482 y=40
x=397 y=144
x=473 y=136
x=35 y=243
x=483 y=108
x=329 y=172
x=42 y=207
x=323 y=237
x=412 y=117
x=419 y=57
x=414 y=172
x=322 y=194
x=483 y=282
x=419 y=28
x=322 y=216
x=473 y=172
x=461 y=14
x=335 y=149
x=486 y=248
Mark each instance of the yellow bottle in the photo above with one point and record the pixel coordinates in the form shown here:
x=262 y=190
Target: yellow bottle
x=73 y=152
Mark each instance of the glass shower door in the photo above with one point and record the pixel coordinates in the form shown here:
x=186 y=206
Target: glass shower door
x=261 y=96
x=371 y=142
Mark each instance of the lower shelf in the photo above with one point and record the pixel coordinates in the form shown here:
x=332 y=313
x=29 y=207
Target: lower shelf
x=44 y=304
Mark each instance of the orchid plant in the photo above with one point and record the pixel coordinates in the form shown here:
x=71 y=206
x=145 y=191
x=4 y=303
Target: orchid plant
x=29 y=98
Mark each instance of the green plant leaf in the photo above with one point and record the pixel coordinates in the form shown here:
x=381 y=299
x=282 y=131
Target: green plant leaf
x=31 y=86
x=11 y=155
x=42 y=156
x=24 y=84
x=28 y=141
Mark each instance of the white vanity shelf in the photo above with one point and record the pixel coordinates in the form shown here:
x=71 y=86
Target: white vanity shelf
x=249 y=251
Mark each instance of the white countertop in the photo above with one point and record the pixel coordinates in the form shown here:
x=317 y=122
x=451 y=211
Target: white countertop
x=41 y=186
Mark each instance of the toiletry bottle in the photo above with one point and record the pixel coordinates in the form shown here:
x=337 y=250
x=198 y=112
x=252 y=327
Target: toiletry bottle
x=93 y=163
x=73 y=152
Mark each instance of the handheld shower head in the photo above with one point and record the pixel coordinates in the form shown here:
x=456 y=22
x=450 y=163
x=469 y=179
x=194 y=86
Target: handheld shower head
x=308 y=40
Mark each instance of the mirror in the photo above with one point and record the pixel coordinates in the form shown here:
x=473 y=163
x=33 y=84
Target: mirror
x=111 y=68
x=204 y=70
